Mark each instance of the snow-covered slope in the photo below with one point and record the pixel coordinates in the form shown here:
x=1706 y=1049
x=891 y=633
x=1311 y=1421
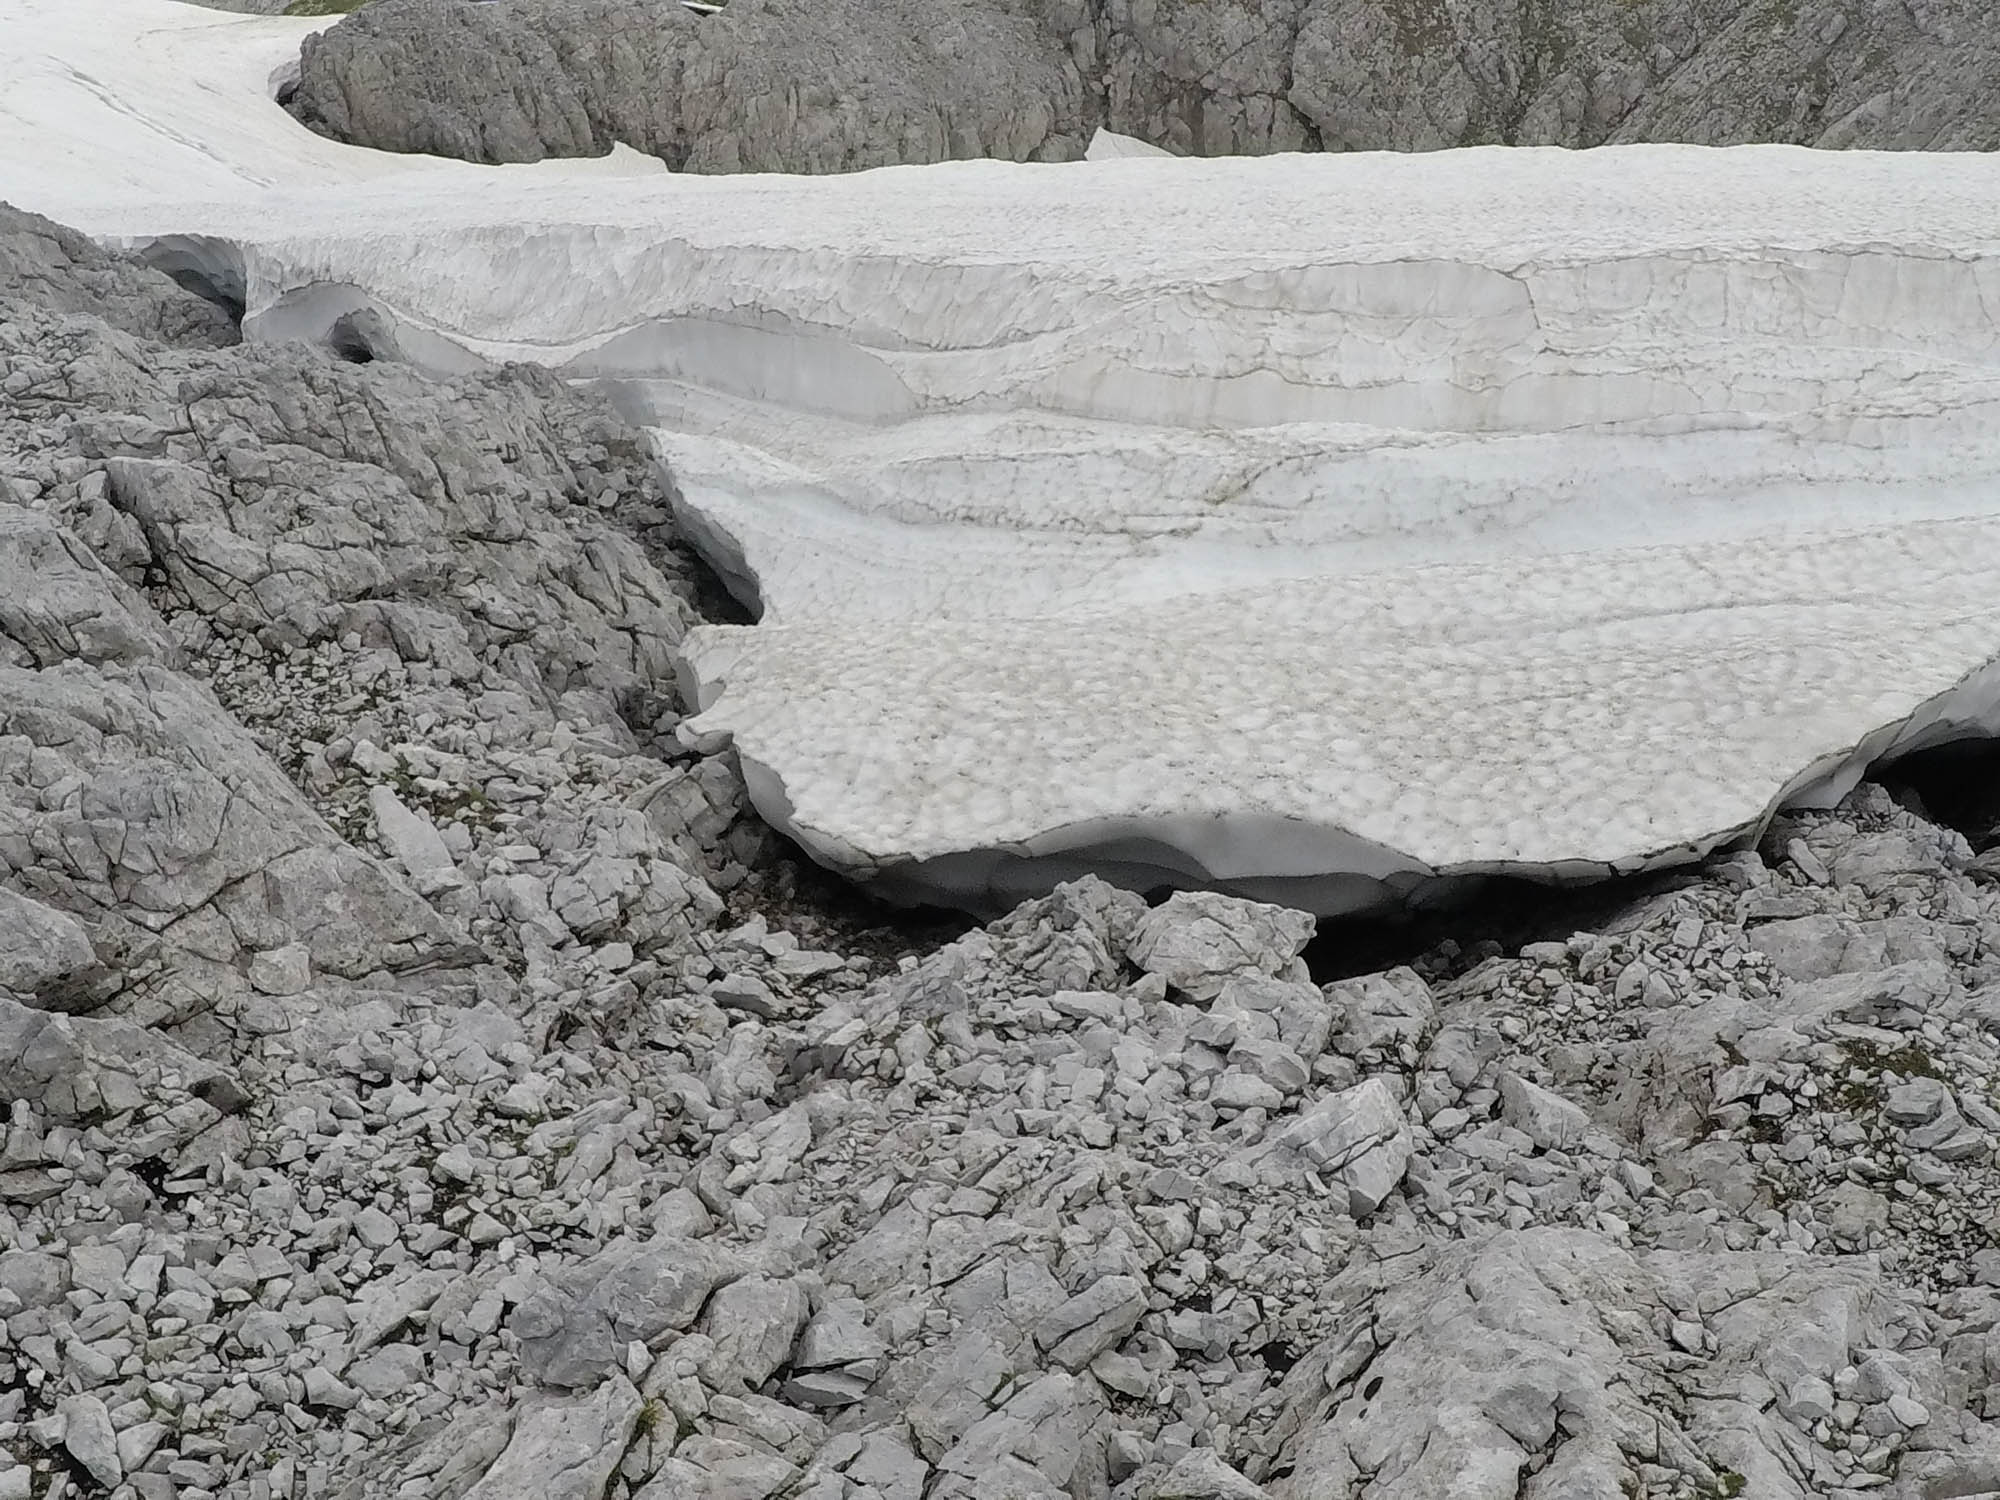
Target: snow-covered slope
x=1341 y=521
x=104 y=102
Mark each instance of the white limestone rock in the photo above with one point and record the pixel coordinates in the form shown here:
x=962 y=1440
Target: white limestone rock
x=90 y=1440
x=1551 y=1121
x=413 y=841
x=957 y=1391
x=753 y=1324
x=1473 y=1366
x=282 y=971
x=564 y=1447
x=1203 y=1475
x=1197 y=941
x=43 y=952
x=1358 y=1140
x=574 y=1327
x=838 y=1335
x=59 y=602
x=388 y=1371
x=1381 y=1011
x=78 y=1066
x=1095 y=1320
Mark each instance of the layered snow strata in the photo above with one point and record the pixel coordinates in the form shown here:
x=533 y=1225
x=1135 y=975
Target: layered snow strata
x=874 y=407
x=1336 y=523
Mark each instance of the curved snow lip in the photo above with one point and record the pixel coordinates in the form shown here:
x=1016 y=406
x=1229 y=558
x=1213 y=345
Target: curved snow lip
x=1880 y=347
x=1320 y=867
x=1324 y=870
x=348 y=320
x=212 y=268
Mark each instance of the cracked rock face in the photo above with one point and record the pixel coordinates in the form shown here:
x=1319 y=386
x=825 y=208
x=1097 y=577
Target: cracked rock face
x=1031 y=79
x=1504 y=1344
x=918 y=81
x=421 y=1079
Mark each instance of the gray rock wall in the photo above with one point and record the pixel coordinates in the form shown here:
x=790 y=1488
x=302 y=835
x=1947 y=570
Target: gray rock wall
x=783 y=85
x=769 y=85
x=1836 y=73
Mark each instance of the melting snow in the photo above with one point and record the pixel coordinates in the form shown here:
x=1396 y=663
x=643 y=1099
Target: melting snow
x=1318 y=525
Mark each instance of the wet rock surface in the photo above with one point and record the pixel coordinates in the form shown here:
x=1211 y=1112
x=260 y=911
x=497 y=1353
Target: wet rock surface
x=422 y=1080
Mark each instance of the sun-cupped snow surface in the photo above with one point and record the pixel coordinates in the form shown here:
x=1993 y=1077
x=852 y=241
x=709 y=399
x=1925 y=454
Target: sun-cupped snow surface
x=1324 y=525
x=1576 y=714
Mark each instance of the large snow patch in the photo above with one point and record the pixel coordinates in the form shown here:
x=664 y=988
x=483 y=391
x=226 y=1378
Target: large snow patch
x=1322 y=526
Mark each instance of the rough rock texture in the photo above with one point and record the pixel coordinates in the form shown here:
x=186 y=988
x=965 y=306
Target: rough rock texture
x=418 y=1081
x=746 y=90
x=771 y=85
x=1879 y=76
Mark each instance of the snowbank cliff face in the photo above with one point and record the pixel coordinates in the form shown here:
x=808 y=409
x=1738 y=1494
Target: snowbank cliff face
x=930 y=80
x=1323 y=527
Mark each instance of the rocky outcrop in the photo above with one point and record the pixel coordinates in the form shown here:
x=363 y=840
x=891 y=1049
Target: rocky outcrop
x=291 y=650
x=1708 y=72
x=767 y=85
x=52 y=270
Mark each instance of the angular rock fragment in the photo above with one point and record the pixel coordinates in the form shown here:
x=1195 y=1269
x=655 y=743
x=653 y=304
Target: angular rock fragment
x=44 y=953
x=1095 y=1320
x=837 y=1358
x=1551 y=1121
x=1358 y=1140
x=1203 y=1475
x=564 y=1447
x=412 y=839
x=1198 y=940
x=753 y=1323
x=574 y=1328
x=59 y=603
x=1379 y=1011
x=963 y=1380
x=90 y=1440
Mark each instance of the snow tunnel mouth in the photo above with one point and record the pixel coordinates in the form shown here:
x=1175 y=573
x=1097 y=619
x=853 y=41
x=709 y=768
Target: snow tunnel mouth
x=351 y=340
x=1955 y=784
x=1466 y=921
x=212 y=269
x=284 y=82
x=1463 y=923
